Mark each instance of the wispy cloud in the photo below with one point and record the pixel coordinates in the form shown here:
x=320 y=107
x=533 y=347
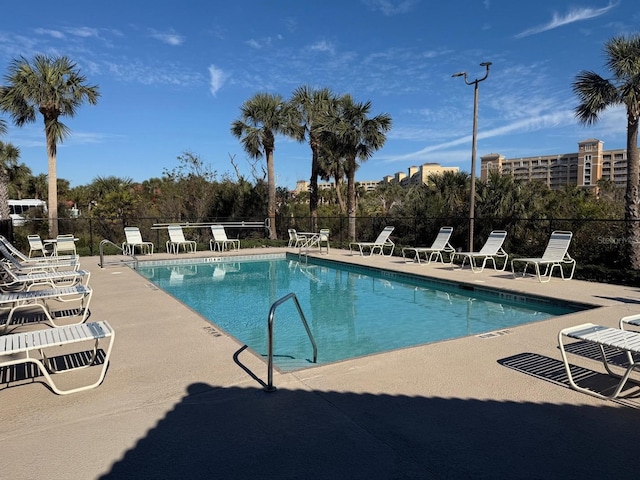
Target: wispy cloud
x=322 y=46
x=561 y=117
x=170 y=38
x=51 y=33
x=574 y=15
x=84 y=32
x=390 y=7
x=263 y=42
x=216 y=79
x=140 y=72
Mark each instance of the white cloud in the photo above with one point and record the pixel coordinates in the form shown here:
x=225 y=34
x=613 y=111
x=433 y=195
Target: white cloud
x=169 y=38
x=322 y=46
x=216 y=79
x=575 y=15
x=51 y=33
x=84 y=32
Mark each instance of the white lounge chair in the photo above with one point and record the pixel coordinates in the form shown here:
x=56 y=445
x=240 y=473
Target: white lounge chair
x=622 y=340
x=630 y=320
x=20 y=262
x=27 y=344
x=435 y=252
x=133 y=240
x=42 y=299
x=9 y=250
x=490 y=251
x=296 y=239
x=177 y=240
x=378 y=245
x=555 y=255
x=12 y=280
x=36 y=246
x=220 y=241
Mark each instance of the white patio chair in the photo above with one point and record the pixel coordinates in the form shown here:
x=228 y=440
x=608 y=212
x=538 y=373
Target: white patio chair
x=324 y=239
x=177 y=240
x=65 y=244
x=490 y=251
x=435 y=252
x=555 y=256
x=220 y=241
x=378 y=245
x=36 y=245
x=296 y=239
x=133 y=240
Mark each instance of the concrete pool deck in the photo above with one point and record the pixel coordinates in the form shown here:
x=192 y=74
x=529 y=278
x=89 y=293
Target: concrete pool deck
x=183 y=400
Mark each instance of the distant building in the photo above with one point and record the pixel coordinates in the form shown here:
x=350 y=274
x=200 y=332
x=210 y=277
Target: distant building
x=415 y=176
x=419 y=175
x=583 y=168
x=303 y=185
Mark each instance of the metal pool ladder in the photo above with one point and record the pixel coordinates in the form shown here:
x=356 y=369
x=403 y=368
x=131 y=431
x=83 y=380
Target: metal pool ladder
x=272 y=312
x=102 y=263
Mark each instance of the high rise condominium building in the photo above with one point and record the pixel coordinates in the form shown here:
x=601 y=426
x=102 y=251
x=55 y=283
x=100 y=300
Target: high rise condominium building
x=583 y=168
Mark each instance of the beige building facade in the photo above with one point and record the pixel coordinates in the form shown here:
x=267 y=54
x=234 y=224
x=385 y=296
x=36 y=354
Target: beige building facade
x=419 y=175
x=416 y=175
x=583 y=168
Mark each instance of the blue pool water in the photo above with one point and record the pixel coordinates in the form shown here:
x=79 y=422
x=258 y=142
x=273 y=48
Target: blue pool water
x=352 y=311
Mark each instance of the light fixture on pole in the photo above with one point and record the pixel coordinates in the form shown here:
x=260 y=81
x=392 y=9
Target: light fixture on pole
x=472 y=195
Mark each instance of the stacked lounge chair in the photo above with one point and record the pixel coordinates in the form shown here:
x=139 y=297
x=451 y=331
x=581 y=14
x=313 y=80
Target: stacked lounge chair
x=39 y=290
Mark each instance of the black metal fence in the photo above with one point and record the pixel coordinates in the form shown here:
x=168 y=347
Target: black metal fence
x=597 y=244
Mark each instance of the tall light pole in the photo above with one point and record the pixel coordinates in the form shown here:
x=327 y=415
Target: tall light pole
x=472 y=195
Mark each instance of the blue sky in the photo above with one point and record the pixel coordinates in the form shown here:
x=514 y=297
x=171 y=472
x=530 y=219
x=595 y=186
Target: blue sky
x=173 y=75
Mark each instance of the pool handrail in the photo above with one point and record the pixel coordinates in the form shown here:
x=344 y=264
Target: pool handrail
x=102 y=263
x=272 y=312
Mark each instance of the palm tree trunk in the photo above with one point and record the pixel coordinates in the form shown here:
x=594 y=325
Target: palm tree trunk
x=313 y=194
x=4 y=194
x=271 y=202
x=339 y=184
x=351 y=204
x=53 y=197
x=632 y=196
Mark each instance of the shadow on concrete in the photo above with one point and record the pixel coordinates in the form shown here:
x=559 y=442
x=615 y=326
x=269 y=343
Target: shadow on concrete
x=619 y=299
x=553 y=370
x=241 y=433
x=12 y=376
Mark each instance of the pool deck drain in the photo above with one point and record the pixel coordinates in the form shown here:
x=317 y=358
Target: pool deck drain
x=179 y=401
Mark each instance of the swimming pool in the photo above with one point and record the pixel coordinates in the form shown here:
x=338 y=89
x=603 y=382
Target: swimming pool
x=352 y=311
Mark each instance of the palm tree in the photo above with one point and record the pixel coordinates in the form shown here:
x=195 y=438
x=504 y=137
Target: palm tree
x=450 y=188
x=358 y=137
x=313 y=106
x=20 y=178
x=263 y=116
x=331 y=165
x=596 y=94
x=9 y=155
x=54 y=87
